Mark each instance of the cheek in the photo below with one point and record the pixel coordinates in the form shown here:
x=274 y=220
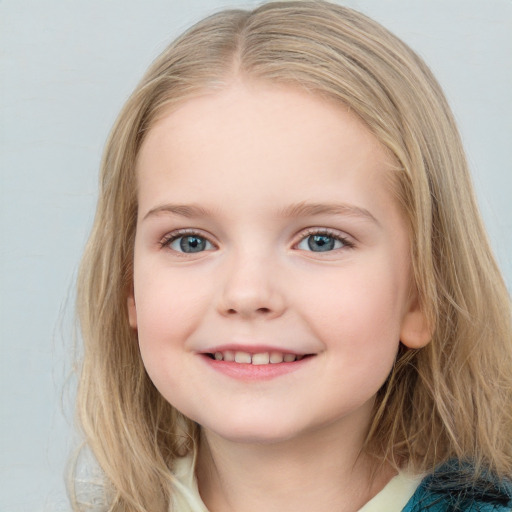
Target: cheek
x=166 y=315
x=359 y=325
x=361 y=308
x=168 y=308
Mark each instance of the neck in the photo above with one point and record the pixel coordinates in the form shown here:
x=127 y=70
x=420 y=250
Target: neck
x=250 y=477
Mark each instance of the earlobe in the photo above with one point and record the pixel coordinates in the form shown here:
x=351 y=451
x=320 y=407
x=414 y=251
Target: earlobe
x=132 y=312
x=415 y=332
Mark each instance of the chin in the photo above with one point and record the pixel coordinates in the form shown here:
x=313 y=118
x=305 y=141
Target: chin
x=255 y=431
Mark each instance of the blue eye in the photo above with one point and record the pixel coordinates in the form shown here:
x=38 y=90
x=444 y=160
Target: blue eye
x=190 y=244
x=322 y=242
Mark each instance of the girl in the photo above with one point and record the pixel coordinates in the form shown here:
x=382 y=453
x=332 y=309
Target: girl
x=288 y=300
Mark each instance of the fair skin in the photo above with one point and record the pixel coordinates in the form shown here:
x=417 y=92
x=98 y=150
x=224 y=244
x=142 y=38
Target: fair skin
x=267 y=233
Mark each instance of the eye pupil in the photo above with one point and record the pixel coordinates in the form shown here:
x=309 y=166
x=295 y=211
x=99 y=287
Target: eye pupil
x=321 y=243
x=192 y=244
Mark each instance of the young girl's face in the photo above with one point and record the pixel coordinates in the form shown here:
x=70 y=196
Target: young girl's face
x=267 y=232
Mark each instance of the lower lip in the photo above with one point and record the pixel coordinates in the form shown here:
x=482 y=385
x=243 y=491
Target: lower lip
x=254 y=372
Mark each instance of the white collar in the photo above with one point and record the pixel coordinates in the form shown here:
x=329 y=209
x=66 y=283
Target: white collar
x=185 y=497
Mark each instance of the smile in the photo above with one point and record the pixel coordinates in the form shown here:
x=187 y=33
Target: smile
x=261 y=358
x=259 y=365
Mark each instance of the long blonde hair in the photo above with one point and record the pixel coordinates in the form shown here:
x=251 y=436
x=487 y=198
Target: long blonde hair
x=450 y=399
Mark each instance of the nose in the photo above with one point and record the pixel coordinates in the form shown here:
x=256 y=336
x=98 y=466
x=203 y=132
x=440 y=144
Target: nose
x=251 y=289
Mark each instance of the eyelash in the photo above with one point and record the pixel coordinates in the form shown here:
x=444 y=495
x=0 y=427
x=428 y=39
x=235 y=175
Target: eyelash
x=175 y=235
x=347 y=243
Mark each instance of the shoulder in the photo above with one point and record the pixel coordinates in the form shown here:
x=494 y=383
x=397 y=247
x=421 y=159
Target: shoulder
x=452 y=488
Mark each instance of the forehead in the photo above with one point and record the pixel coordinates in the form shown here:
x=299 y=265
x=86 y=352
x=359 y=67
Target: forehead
x=252 y=103
x=247 y=129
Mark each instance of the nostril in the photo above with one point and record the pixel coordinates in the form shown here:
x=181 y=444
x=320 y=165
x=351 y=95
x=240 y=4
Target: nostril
x=264 y=311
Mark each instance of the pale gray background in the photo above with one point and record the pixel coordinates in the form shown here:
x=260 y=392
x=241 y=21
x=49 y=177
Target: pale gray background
x=66 y=69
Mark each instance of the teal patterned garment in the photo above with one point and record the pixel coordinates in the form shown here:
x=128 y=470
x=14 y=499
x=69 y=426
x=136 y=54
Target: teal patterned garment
x=447 y=490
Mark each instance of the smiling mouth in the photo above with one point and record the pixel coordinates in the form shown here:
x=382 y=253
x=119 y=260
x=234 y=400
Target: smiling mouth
x=257 y=359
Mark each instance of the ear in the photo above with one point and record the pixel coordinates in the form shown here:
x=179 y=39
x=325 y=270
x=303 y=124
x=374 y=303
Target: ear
x=415 y=331
x=132 y=311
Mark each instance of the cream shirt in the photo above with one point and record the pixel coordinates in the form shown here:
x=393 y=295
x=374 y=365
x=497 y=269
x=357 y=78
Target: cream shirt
x=392 y=498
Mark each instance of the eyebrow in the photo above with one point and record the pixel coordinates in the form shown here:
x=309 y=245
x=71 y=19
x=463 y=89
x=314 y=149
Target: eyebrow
x=184 y=210
x=302 y=209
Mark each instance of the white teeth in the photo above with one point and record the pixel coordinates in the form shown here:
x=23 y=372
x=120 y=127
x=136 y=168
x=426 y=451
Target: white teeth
x=242 y=357
x=229 y=355
x=276 y=357
x=260 y=358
